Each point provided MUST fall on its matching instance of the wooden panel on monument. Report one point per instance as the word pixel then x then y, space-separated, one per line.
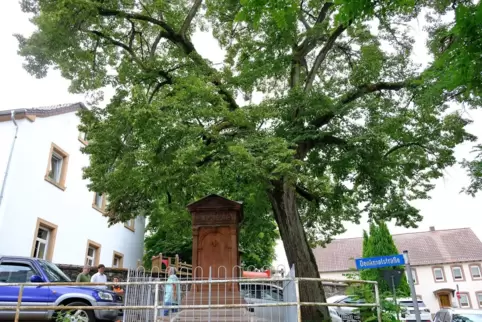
pixel 215 254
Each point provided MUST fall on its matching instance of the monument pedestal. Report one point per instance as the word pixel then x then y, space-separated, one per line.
pixel 215 256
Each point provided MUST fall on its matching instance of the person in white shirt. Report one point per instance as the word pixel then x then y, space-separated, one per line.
pixel 99 277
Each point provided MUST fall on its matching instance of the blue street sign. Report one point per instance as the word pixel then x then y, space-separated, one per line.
pixel 380 261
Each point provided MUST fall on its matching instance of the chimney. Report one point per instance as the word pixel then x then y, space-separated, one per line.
pixel 432 228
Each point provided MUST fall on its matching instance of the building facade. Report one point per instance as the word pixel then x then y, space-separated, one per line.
pixel 445 263
pixel 46 210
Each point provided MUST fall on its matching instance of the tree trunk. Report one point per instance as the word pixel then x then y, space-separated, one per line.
pixel 298 251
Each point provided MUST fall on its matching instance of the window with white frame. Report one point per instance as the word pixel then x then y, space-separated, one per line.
pixel 475 271
pixel 464 300
pixel 99 199
pixel 479 299
pixel 41 243
pixel 55 171
pixel 83 137
pixel 90 258
pixel 57 167
pixel 92 254
pixel 457 273
pixel 117 260
pixel 438 273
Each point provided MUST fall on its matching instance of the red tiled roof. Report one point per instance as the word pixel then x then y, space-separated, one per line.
pixel 424 248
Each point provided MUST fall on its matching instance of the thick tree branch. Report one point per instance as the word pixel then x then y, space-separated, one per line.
pixel 118 44
pixel 156 43
pixel 357 93
pixel 190 16
pixel 310 42
pixel 157 88
pixel 322 55
pixel 370 88
pixel 104 12
pixel 306 194
pixel 178 39
pixel 404 145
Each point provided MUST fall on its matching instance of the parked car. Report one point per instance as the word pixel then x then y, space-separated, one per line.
pixel 458 315
pixel 347 314
pixel 268 293
pixel 407 312
pixel 350 314
pixel 33 270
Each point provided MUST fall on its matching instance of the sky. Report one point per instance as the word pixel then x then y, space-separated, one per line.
pixel 447 208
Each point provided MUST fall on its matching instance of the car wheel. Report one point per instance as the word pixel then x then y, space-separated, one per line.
pixel 75 315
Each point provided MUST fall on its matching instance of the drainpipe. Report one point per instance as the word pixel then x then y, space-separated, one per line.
pixel 9 158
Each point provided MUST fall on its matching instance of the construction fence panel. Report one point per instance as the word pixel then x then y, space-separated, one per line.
pixel 210 297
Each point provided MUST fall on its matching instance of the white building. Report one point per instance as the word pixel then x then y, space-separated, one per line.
pixel 443 262
pixel 46 209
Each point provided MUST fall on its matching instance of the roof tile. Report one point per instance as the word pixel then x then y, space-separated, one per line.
pixel 424 248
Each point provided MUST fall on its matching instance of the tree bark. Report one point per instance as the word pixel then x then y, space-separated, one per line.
pixel 298 251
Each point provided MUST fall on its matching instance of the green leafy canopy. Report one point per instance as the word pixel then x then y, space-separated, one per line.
pixel 346 118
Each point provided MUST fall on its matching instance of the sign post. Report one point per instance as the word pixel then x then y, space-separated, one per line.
pixel 412 286
pixel 393 277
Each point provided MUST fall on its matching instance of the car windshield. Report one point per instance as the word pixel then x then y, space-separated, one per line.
pixel 467 317
pixel 54 274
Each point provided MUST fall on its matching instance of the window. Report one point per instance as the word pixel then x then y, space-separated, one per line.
pixel 464 301
pixel 475 271
pixel 458 273
pixel 478 295
pixel 44 240
pixel 438 274
pixel 54 274
pixel 92 253
pixel 41 243
pixel 15 273
pixel 130 224
pixel 117 260
pixel 99 202
pixel 57 167
pixel 83 138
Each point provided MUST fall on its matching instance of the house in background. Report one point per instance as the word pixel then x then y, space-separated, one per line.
pixel 443 262
pixel 46 210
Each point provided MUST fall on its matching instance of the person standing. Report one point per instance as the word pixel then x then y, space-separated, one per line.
pixel 172 292
pixel 84 276
pixel 100 277
pixel 117 288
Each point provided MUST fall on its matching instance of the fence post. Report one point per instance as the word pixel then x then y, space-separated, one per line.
pixel 156 300
pixel 19 303
pixel 209 294
pixel 125 316
pixel 177 262
pixel 298 300
pixel 377 299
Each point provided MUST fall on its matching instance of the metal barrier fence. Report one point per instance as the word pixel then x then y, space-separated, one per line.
pixel 211 300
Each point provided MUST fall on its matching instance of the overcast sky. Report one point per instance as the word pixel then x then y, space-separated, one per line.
pixel 448 208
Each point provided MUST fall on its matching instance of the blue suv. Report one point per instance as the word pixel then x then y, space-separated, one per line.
pixel 33 270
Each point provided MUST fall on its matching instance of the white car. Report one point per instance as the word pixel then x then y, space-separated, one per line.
pixel 349 314
pixel 255 293
pixel 407 312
